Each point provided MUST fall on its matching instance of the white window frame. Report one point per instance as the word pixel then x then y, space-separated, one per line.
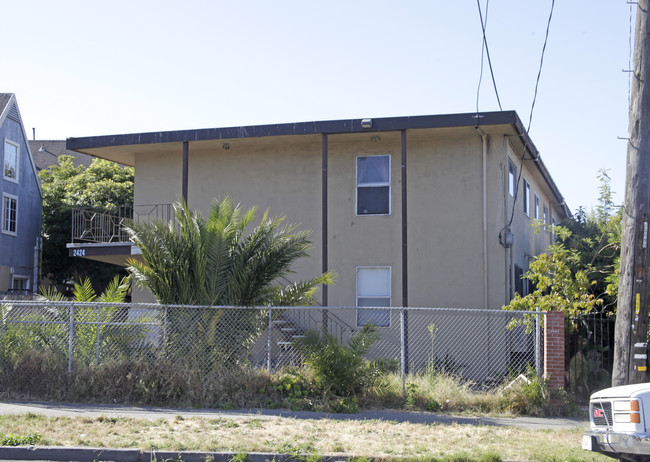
pixel 553 224
pixel 370 185
pixel 5 229
pixel 536 207
pixel 545 214
pixel 378 296
pixel 512 178
pixel 16 277
pixel 526 200
pixel 17 160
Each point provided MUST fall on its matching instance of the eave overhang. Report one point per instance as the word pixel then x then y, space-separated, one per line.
pixel 122 148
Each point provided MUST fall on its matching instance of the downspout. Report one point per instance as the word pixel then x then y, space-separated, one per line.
pixel 185 172
pixel 484 138
pixel 324 226
pixel 506 255
pixel 485 231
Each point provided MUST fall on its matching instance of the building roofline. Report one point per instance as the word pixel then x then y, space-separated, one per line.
pixel 4 112
pixel 300 128
pixel 329 127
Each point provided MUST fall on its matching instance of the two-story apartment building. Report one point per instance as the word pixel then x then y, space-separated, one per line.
pixel 20 232
pixel 408 211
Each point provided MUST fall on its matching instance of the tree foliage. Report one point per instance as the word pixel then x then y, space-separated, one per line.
pixel 578 273
pixel 103 184
pixel 217 262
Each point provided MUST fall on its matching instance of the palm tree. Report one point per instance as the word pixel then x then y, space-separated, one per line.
pixel 98 331
pixel 215 262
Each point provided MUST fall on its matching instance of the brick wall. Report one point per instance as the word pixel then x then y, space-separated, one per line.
pixel 554 349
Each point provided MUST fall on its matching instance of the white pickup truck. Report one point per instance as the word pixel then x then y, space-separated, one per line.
pixel 620 423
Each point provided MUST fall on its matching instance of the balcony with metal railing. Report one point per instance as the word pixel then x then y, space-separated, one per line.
pixel 93 225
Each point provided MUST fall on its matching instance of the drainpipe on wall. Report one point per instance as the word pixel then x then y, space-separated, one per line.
pixel 485 232
pixel 484 138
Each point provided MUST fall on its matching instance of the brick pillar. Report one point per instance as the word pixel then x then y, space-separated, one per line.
pixel 554 349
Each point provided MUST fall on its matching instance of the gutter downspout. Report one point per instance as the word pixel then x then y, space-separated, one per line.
pixel 484 138
pixel 506 255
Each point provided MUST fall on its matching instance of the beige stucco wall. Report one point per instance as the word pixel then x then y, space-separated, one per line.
pixel 445 206
pixel 447 244
pixel 283 177
pixel 530 240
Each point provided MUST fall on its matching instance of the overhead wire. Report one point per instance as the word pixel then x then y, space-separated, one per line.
pixel 530 120
pixel 486 50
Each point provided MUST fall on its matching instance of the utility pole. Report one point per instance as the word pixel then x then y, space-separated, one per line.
pixel 631 336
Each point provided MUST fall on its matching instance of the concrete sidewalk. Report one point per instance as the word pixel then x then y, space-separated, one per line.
pixel 136 412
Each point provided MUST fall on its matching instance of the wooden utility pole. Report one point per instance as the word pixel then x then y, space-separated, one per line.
pixel 631 337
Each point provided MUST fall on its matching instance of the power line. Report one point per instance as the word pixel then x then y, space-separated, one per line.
pixel 486 49
pixel 541 63
pixel 530 119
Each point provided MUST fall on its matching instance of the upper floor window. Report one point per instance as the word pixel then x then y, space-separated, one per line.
pixel 11 152
pixel 536 207
pixel 373 185
pixel 9 213
pixel 373 290
pixel 526 200
pixel 553 223
pixel 512 178
pixel 545 215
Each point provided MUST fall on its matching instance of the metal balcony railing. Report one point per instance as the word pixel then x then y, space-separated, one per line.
pixel 104 226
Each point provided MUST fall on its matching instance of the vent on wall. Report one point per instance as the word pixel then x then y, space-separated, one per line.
pixel 13 113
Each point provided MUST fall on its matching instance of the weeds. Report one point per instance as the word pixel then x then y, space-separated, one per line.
pixel 19 440
pixel 335 380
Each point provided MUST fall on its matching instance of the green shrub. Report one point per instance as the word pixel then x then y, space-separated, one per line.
pixel 19 440
pixel 338 368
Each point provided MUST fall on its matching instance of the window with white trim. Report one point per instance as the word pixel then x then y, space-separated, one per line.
pixel 526 199
pixel 9 213
pixel 553 223
pixel 545 215
pixel 536 207
pixel 512 178
pixel 373 185
pixel 20 283
pixel 10 163
pixel 373 290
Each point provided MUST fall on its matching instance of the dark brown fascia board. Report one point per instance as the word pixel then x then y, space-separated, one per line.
pixel 330 127
pixel 534 154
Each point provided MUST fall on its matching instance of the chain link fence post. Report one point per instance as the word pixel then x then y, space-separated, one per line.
pixel 98 327
pixel 70 338
pixel 268 342
pixel 538 342
pixel 403 349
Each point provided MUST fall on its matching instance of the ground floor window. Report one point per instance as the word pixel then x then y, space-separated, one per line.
pixel 20 284
pixel 373 290
pixel 9 213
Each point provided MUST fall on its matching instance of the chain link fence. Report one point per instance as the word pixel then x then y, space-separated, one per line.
pixel 50 346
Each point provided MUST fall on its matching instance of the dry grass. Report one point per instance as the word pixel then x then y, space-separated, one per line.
pixel 380 439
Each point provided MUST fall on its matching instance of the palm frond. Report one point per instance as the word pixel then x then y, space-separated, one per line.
pixel 83 291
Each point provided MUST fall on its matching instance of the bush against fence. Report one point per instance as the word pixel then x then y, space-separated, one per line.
pixel 153 353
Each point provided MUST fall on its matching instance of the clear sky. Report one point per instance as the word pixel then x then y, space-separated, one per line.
pixel 84 68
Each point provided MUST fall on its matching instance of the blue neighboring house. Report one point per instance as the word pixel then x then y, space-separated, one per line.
pixel 21 206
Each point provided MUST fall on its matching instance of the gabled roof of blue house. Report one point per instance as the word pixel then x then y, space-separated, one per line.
pixel 9 109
